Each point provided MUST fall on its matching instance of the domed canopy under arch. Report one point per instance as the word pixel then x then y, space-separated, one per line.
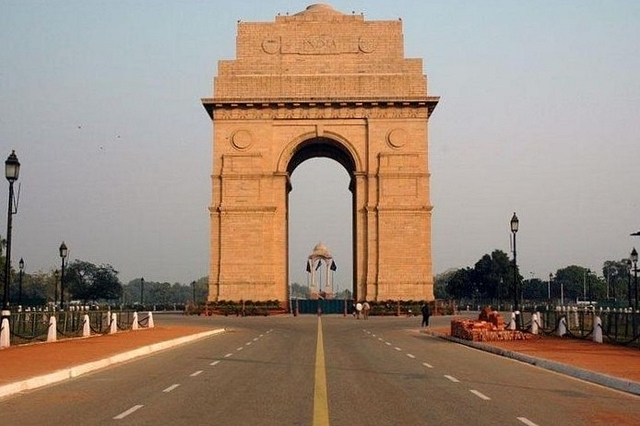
pixel 319 256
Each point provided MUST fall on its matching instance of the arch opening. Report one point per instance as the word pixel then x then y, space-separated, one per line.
pixel 320 210
pixel 321 147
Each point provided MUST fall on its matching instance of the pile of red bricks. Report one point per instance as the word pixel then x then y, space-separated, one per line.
pixel 489 327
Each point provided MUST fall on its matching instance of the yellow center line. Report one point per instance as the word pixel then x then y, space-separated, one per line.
pixel 320 401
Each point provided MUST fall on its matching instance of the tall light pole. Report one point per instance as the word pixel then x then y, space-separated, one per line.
pixel 514 229
pixel 634 259
pixel 21 266
pixel 11 172
pixel 141 291
pixel 549 286
pixel 193 287
pixel 629 294
pixel 63 255
pixel 55 289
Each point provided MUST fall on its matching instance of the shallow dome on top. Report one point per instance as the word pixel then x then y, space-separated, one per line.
pixel 320 250
pixel 319 9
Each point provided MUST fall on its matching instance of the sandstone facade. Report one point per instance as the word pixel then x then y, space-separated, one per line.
pixel 320 83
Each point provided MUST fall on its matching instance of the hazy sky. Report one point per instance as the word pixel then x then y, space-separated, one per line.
pixel 539 114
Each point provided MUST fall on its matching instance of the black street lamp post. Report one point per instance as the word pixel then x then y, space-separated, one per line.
pixel 514 229
pixel 141 291
pixel 629 294
pixel 634 259
pixel 63 255
pixel 11 172
pixel 21 266
pixel 55 289
pixel 193 287
pixel 589 286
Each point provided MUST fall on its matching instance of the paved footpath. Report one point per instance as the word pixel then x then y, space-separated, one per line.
pixel 28 367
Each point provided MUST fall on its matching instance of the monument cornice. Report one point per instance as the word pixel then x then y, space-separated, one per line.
pixel 212 104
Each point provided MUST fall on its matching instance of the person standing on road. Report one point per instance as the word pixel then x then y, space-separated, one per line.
pixel 365 309
pixel 426 313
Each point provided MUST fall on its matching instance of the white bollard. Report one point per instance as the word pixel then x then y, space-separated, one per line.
pixel 114 323
pixel 512 323
pixel 5 334
pixel 562 326
pixel 86 328
pixel 150 324
pixel 576 321
pixel 134 324
pixel 597 330
pixel 534 323
pixel 540 320
pixel 52 334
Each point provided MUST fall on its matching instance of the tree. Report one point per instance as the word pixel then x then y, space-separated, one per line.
pixel 202 290
pixel 440 283
pixel 459 284
pixel 299 291
pixel 617 275
pixel 534 289
pixel 576 281
pixel 37 288
pixel 160 293
pixel 493 276
pixel 88 282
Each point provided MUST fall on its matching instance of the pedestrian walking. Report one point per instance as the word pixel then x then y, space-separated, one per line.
pixel 426 313
pixel 365 309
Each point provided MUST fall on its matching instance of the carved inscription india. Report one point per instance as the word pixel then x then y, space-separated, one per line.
pixel 319 45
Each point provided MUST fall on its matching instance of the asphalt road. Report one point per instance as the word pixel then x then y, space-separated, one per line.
pixel 309 371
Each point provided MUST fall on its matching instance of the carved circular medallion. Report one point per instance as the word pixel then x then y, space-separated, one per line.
pixel 271 45
pixel 366 44
pixel 242 139
pixel 397 138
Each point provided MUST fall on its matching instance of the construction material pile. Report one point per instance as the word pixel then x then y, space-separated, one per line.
pixel 489 327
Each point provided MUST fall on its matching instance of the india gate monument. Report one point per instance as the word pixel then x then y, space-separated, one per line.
pixel 320 83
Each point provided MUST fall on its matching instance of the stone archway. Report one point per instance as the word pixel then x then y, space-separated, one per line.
pixel 320 83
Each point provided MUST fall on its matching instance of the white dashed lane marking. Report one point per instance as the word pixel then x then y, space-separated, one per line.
pixel 170 388
pixel 527 421
pixel 129 411
pixel 214 362
pixel 411 356
pixel 479 394
pixel 453 379
pixel 196 373
pixel 426 364
pixel 228 355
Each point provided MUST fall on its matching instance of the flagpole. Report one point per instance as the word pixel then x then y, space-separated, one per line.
pixel 308 278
